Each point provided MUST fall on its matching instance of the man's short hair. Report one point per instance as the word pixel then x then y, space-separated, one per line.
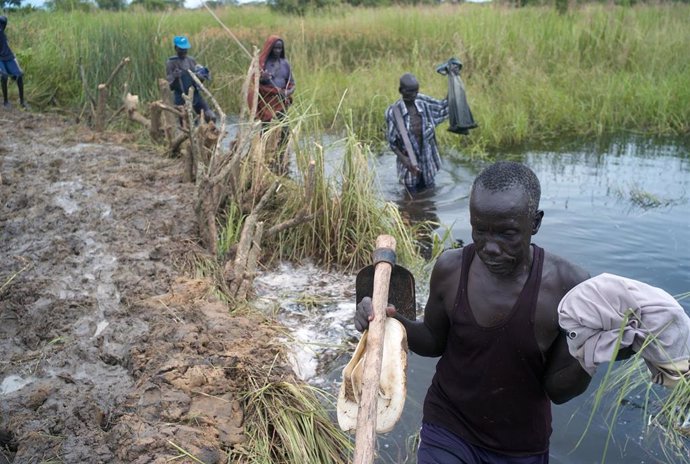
pixel 504 175
pixel 408 82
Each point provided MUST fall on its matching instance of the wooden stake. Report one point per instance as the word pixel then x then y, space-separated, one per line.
pixel 365 434
pixel 103 96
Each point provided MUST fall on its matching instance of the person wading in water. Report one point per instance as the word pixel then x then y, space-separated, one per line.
pixel 492 318
pixel 411 132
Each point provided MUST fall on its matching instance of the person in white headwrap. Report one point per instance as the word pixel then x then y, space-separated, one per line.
pixel 653 323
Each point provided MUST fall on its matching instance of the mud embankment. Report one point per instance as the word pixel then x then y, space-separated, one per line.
pixel 108 353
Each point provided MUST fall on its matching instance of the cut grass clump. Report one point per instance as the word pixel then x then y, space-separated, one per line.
pixel 347 212
pixel 666 411
pixel 287 423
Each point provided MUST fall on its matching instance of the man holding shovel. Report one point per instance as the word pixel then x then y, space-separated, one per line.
pixel 492 318
pixel 411 132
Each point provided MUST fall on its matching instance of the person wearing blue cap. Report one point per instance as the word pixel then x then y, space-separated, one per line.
pixel 9 67
pixel 177 71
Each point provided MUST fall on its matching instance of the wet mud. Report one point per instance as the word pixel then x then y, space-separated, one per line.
pixel 109 351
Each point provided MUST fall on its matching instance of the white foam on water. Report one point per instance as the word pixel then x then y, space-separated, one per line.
pixel 316 306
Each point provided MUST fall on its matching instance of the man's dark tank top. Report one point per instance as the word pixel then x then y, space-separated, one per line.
pixel 488 383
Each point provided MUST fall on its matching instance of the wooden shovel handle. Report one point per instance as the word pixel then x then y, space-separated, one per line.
pixel 365 434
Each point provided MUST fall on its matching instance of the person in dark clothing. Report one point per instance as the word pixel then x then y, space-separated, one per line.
pixel 9 67
pixel 177 73
pixel 492 318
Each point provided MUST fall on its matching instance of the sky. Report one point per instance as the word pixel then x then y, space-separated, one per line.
pixel 187 3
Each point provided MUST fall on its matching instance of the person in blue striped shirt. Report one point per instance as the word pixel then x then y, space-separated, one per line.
pixel 411 126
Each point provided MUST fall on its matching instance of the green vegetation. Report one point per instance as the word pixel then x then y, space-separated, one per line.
pixel 531 74
pixel 349 213
pixel 345 209
pixel 644 199
pixel 664 410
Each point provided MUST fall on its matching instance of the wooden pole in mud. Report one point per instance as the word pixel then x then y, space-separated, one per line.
pixel 103 96
pixel 365 434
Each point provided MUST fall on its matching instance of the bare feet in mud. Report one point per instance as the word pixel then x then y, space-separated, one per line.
pixel 110 354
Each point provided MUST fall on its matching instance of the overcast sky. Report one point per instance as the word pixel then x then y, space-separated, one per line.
pixel 187 3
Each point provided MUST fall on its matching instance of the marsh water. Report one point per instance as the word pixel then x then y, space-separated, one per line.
pixel 619 206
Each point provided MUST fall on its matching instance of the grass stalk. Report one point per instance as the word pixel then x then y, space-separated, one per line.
pixel 287 423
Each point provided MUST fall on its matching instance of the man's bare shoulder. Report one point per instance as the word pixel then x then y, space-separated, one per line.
pixel 449 259
pixel 447 267
pixel 444 280
pixel 560 274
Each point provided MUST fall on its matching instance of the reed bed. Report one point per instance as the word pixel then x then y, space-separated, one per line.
pixel 531 74
pixel 665 414
pixel 347 213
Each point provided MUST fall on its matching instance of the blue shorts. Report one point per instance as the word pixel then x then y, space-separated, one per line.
pixel 10 68
pixel 439 446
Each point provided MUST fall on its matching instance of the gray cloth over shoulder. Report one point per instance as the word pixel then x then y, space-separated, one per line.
pixel 459 113
pixel 654 324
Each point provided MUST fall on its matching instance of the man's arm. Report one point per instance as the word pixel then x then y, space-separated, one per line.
pixel 394 141
pixel 428 337
pixel 172 74
pixel 564 378
pixel 405 160
pixel 391 129
pixel 437 109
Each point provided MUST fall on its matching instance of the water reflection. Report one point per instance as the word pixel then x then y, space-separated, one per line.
pixel 419 208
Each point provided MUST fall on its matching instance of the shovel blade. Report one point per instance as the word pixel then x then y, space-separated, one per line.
pixel 401 293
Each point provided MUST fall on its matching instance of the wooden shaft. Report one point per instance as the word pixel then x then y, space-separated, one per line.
pixel 365 434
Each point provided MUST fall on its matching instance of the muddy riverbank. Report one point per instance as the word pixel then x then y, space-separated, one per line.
pixel 111 352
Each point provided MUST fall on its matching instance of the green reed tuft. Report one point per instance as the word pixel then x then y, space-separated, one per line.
pixel 347 211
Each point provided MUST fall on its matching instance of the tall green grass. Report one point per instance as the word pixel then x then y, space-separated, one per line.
pixel 530 73
pixel 346 213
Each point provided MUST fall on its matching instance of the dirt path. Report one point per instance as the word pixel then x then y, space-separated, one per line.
pixel 108 354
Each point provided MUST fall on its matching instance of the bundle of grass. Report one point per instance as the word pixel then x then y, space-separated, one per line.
pixel 665 412
pixel 348 212
pixel 287 423
pixel 610 317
